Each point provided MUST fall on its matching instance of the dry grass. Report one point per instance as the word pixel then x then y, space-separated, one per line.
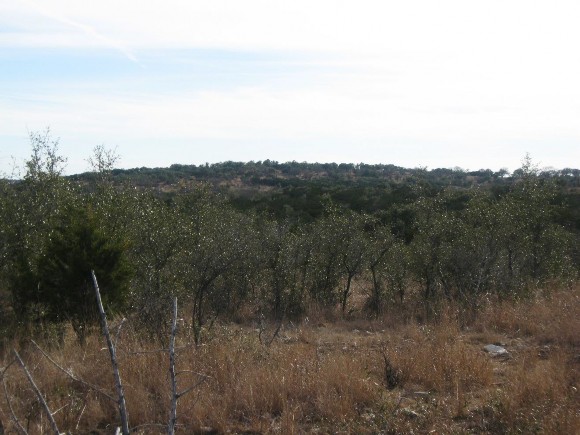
pixel 327 377
pixel 554 318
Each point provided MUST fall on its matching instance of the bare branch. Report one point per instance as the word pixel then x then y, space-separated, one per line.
pixel 147 425
pixel 38 393
pixel 145 352
pixel 275 332
pixel 187 390
pixel 4 369
pixel 70 374
pixel 180 372
pixel 80 416
pixel 60 409
pixel 112 351
pixel 174 395
pixel 119 331
pixel 12 414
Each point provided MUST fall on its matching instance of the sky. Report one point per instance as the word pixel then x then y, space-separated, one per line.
pixel 470 84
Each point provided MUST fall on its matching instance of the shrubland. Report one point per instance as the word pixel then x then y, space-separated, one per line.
pixel 353 321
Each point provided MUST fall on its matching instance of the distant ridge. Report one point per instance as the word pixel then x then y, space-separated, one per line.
pixel 270 173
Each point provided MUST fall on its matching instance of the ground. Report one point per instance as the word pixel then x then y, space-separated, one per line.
pixel 325 375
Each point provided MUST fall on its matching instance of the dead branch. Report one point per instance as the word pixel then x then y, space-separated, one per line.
pixel 12 414
pixel 119 331
pixel 174 395
pixel 133 429
pixel 187 390
pixel 38 393
pixel 70 374
pixel 180 372
pixel 276 332
pixel 112 351
pixel 4 369
pixel 80 416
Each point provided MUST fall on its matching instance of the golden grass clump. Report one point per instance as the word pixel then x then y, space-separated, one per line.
pixel 437 358
pixel 539 396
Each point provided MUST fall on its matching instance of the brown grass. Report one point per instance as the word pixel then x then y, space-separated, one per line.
pixel 327 377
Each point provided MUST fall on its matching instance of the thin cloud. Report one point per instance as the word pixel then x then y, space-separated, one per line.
pixel 86 29
pixel 451 82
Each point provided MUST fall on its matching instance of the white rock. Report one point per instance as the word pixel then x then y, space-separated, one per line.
pixel 494 350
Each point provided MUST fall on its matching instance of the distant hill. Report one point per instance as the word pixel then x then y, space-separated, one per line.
pixel 272 173
pixel 296 190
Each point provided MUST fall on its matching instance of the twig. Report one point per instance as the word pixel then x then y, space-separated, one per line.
pixel 180 372
pixel 70 375
pixel 119 331
pixel 119 385
pixel 4 369
pixel 275 332
pixel 401 397
pixel 12 414
pixel 80 416
pixel 61 408
pixel 187 390
pixel 38 393
pixel 144 352
pixel 261 328
pixel 147 425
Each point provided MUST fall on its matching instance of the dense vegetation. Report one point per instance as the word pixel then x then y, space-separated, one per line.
pixel 222 243
pixel 296 190
pixel 424 256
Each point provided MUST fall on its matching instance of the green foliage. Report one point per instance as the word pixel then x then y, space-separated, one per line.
pixel 505 245
pixel 59 287
pixel 274 237
pixel 279 264
pixel 325 267
pixel 219 257
pixel 52 242
pixel 389 264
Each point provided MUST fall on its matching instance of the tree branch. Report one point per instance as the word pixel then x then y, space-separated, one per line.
pixel 70 375
pixel 174 395
pixel 112 351
pixel 38 394
pixel 12 414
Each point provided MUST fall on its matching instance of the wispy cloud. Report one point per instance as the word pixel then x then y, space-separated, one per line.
pixel 414 82
pixel 63 39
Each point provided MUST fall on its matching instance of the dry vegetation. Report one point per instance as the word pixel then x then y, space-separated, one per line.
pixel 337 376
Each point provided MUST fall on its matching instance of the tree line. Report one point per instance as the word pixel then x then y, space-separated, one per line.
pixel 434 244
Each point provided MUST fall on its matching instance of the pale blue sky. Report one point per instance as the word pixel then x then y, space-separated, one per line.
pixel 414 83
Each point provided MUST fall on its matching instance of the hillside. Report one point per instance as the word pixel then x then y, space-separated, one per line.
pixel 296 190
pixel 312 298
